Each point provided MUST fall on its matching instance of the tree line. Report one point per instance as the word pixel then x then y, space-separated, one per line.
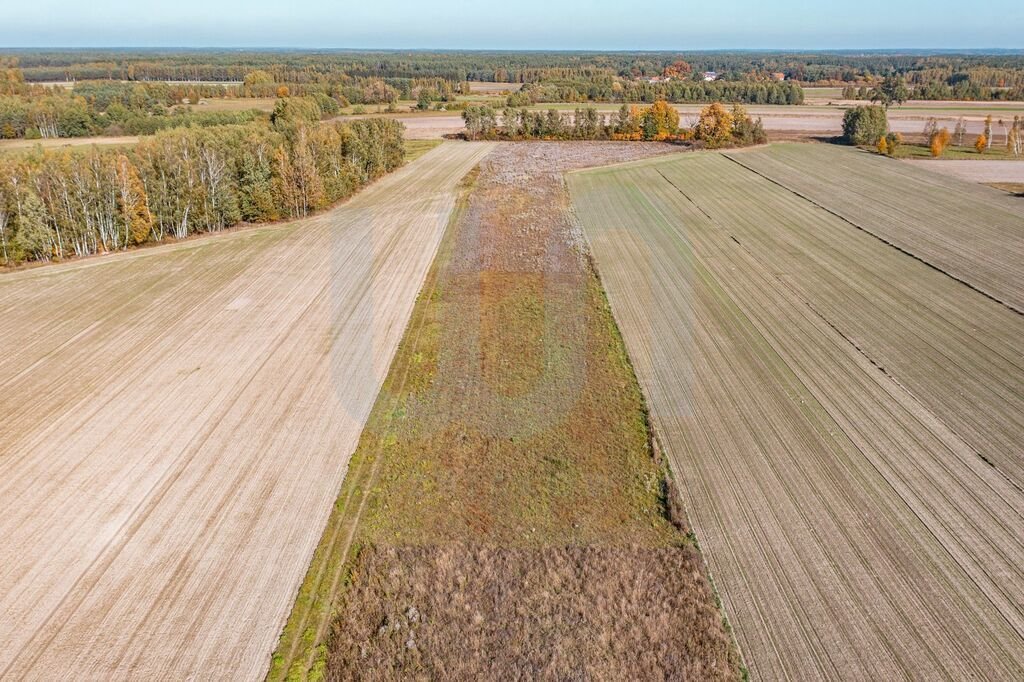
pixel 295 66
pixel 679 91
pixel 716 126
pixel 59 204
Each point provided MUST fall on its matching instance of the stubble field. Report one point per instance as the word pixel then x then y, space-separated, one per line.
pixel 178 420
pixel 843 416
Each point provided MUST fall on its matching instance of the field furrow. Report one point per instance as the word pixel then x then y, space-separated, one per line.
pixel 851 530
pixel 972 232
pixel 178 421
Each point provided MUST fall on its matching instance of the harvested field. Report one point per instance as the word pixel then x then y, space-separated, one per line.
pixel 178 420
pixel 802 376
pixel 510 437
pixel 973 233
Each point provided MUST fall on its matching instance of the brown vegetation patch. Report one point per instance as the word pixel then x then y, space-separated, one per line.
pixel 565 613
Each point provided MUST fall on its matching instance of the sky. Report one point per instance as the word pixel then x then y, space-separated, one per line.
pixel 514 24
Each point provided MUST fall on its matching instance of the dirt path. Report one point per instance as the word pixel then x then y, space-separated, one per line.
pixel 177 423
pixel 853 530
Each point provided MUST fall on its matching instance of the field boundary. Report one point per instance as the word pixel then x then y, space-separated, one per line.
pixel 672 491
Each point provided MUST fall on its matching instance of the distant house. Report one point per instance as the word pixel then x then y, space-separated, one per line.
pixel 779 76
pixel 710 76
pixel 656 79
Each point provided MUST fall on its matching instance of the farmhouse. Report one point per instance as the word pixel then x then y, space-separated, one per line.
pixel 710 75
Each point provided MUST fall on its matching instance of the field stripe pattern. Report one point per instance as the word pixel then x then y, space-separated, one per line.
pixel 971 232
pixel 852 530
pixel 178 421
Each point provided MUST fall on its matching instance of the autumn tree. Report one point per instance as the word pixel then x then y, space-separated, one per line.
pixel 745 130
pixel 628 125
pixel 678 69
pixel 132 203
pixel 938 142
pixel 714 126
pixel 988 131
pixel 981 143
pixel 1014 139
pixel 660 121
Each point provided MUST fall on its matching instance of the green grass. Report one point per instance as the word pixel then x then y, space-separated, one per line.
pixel 414 149
pixel 965 153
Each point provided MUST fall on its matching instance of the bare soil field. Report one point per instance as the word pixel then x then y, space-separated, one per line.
pixel 972 233
pixel 843 418
pixel 986 172
pixel 509 446
pixel 178 421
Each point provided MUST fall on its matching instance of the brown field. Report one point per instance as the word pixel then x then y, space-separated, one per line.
pixel 844 419
pixel 178 420
pixel 509 444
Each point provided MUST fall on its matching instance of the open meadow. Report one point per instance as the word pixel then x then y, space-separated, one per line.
pixel 178 421
pixel 843 416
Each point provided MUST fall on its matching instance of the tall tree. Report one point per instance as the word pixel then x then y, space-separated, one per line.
pixel 132 203
pixel 892 90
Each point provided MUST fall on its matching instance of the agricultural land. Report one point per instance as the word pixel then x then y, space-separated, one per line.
pixel 178 420
pixel 834 368
pixel 505 513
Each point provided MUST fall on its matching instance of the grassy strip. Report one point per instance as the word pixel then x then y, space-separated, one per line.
pixel 414 149
pixel 965 153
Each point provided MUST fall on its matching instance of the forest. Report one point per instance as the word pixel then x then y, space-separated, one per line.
pixel 298 67
pixel 59 204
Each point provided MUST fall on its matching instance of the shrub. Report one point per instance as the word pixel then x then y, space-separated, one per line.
pixel 864 125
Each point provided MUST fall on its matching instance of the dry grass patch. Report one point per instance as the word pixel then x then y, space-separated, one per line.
pixel 472 612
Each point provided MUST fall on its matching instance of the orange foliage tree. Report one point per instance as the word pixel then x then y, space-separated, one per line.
pixel 714 127
pixel 981 144
pixel 939 141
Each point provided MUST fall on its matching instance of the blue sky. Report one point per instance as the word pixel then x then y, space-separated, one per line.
pixel 514 24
